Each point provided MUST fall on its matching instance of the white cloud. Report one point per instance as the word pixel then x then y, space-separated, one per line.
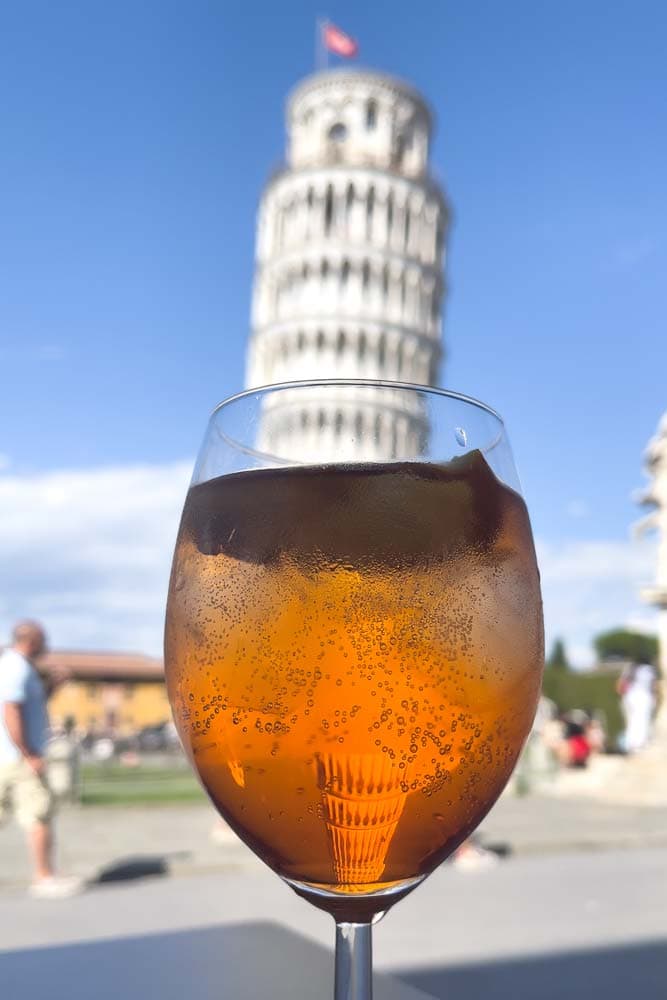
pixel 643 621
pixel 591 586
pixel 88 553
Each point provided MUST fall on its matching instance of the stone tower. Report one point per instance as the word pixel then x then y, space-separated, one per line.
pixel 349 274
pixel 655 496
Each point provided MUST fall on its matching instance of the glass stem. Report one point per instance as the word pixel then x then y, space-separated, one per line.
pixel 354 962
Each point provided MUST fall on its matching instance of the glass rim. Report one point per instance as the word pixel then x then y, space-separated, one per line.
pixel 360 382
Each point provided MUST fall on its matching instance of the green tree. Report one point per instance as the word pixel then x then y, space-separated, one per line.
pixel 558 657
pixel 624 645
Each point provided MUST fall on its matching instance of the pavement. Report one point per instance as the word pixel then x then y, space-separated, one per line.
pixel 113 843
pixel 533 928
pixel 577 906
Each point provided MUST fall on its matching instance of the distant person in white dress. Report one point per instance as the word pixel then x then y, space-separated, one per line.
pixel 637 688
pixel 24 730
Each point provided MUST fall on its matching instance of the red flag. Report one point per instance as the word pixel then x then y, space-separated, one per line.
pixel 339 42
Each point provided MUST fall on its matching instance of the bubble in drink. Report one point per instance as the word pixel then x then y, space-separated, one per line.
pixel 372 637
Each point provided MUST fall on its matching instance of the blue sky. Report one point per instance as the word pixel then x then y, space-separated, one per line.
pixel 136 138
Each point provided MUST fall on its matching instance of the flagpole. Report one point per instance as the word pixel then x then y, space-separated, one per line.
pixel 320 48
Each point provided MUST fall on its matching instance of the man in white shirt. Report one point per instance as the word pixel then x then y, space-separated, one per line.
pixel 24 728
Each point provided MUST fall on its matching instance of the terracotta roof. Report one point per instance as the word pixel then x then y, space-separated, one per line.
pixel 103 666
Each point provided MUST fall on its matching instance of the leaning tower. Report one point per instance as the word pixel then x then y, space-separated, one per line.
pixel 349 274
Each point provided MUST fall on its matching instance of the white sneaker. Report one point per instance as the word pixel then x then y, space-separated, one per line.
pixel 56 887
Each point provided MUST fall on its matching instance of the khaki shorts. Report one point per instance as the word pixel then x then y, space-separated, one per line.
pixel 25 793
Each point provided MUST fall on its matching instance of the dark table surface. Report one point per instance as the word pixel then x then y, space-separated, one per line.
pixel 240 962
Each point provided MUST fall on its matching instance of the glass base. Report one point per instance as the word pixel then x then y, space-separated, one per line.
pixel 355 903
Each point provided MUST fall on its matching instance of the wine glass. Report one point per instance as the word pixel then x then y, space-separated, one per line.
pixel 354 640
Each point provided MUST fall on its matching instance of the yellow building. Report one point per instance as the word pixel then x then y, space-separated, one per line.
pixel 110 693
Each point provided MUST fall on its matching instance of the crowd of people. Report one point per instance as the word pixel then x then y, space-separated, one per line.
pixel 572 738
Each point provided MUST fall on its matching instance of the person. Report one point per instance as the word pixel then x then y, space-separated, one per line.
pixel 64 762
pixel 472 857
pixel 596 731
pixel 578 747
pixel 23 735
pixel 637 689
pixel 566 737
